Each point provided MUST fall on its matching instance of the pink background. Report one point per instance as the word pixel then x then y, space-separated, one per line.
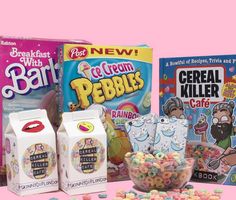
pixel 172 28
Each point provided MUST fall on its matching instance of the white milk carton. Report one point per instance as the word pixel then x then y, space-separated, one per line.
pixel 82 146
pixel 31 157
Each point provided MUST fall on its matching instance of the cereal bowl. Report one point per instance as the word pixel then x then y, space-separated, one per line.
pixel 160 171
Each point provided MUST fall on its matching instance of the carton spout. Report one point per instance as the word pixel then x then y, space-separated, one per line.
pixel 25 115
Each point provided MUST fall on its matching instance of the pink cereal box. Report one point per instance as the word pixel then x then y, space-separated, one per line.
pixel 28 73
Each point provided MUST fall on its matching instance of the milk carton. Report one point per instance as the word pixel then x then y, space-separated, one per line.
pixel 31 157
pixel 82 146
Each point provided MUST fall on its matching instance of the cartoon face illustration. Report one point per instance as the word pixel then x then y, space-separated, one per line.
pixel 85 127
pixel 33 127
pixel 73 106
pixel 222 123
pixel 174 107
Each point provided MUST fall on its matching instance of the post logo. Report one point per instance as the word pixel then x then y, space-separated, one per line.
pixel 78 52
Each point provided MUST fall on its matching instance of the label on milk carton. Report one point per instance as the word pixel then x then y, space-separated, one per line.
pixel 82 152
pixel 31 157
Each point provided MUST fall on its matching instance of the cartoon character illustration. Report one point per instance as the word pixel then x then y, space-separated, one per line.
pixel 200 128
pixel 174 107
pixel 222 128
pixel 73 106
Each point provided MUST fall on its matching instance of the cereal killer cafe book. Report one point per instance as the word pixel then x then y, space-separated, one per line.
pixel 203 90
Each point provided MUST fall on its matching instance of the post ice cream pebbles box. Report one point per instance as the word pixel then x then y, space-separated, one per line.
pixel 31 158
pixel 203 90
pixel 114 80
pixel 29 72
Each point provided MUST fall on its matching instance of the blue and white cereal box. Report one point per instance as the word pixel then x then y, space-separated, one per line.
pixel 116 80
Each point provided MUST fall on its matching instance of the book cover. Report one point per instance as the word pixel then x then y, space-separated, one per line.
pixel 203 90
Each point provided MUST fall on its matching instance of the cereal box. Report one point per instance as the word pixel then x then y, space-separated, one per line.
pixel 82 144
pixel 31 158
pixel 114 80
pixel 203 90
pixel 29 72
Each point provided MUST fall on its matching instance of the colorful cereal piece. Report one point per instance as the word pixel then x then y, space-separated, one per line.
pixel 188 186
pixel 218 191
pixel 73 198
pixel 120 193
pixel 132 191
pixel 166 175
pixel 102 196
pixel 86 197
pixel 130 196
pixel 176 194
